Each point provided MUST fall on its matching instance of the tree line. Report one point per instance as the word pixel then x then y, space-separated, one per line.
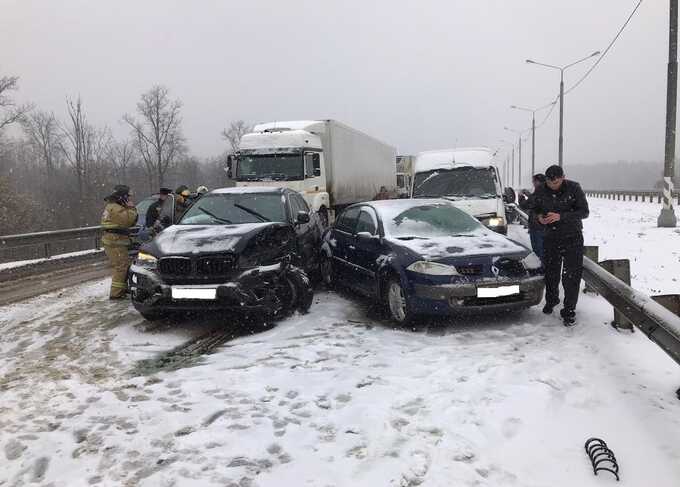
pixel 55 170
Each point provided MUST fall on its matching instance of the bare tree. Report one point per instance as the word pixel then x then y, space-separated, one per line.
pixel 158 133
pixel 10 112
pixel 122 155
pixel 42 129
pixel 234 133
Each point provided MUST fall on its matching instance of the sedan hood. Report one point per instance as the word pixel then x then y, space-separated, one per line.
pixel 205 239
pixel 484 243
pixel 476 206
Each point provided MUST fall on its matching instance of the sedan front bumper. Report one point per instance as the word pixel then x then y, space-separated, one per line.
pixel 463 297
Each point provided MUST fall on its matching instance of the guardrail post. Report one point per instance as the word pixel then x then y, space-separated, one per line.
pixel 659 198
pixel 620 268
pixel 636 197
pixel 592 252
pixel 48 250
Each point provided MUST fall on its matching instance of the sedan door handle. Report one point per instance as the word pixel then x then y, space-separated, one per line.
pixel 351 247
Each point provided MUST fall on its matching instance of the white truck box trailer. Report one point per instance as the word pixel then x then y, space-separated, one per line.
pixel 331 164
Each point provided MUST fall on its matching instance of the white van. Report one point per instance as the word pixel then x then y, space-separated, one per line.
pixel 466 177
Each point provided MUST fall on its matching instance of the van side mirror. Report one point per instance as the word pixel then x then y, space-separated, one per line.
pixel 230 166
pixel 302 217
pixel 509 195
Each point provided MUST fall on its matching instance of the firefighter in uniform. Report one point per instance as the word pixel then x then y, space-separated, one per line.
pixel 118 217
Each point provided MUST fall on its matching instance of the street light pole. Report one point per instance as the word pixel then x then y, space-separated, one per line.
pixel 533 131
pixel 561 69
pixel 667 216
pixel 519 172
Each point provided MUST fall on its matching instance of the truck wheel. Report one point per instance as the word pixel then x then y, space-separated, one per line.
pixel 326 271
pixel 323 217
pixel 397 303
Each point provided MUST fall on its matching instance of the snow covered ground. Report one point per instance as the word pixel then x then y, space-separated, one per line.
pixel 336 397
pixel 627 230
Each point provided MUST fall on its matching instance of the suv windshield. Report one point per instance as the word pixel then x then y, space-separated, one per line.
pixel 466 182
pixel 429 221
pixel 272 167
pixel 236 208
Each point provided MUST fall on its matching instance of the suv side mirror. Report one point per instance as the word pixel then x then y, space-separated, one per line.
pixel 509 195
pixel 302 217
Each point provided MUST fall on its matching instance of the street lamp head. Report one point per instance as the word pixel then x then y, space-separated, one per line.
pixel 596 53
pixel 513 106
pixel 530 61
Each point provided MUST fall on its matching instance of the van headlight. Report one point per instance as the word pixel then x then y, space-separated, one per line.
pixel 495 221
pixel 147 260
pixel 531 262
pixel 432 268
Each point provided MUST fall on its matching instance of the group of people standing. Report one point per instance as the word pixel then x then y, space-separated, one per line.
pixel 556 210
pixel 120 215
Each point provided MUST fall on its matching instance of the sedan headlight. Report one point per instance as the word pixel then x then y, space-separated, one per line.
pixel 432 268
pixel 531 262
pixel 146 260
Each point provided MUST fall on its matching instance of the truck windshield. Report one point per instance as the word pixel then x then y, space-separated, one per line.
pixel 464 182
pixel 270 167
pixel 236 208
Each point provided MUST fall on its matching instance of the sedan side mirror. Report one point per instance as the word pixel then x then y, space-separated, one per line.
pixel 368 238
pixel 302 217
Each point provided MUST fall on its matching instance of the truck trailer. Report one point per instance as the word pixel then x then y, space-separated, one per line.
pixel 331 164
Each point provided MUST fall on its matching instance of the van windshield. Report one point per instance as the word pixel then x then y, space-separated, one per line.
pixel 270 167
pixel 462 182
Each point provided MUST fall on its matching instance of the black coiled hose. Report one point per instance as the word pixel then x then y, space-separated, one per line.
pixel 601 457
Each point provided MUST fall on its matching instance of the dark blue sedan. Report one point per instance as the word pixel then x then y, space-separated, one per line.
pixel 428 257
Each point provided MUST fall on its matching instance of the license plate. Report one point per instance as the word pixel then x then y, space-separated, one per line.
pixel 497 292
pixel 194 293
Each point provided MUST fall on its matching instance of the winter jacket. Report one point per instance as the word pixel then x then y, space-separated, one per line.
pixel 116 222
pixel 525 204
pixel 569 201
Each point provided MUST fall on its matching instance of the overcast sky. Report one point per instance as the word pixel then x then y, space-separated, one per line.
pixel 417 74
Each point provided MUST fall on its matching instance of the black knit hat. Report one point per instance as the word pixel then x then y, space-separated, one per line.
pixel 539 177
pixel 165 191
pixel 121 190
pixel 554 172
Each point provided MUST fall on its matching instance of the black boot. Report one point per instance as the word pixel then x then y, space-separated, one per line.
pixel 568 316
pixel 548 308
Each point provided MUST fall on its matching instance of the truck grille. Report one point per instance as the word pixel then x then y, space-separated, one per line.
pixel 217 265
pixel 175 266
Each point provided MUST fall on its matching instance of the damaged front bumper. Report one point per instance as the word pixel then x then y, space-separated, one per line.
pixel 465 297
pixel 250 290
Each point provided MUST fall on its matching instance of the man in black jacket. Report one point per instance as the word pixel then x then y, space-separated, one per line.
pixel 154 211
pixel 560 205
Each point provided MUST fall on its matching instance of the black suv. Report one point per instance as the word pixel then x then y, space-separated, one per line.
pixel 246 248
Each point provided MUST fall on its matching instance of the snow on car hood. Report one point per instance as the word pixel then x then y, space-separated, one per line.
pixel 194 239
pixel 483 243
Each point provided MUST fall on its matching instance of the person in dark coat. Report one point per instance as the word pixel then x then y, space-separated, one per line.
pixel 154 211
pixel 536 230
pixel 561 205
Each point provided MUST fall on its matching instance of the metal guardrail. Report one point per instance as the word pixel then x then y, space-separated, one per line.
pixel 38 245
pixel 659 324
pixel 630 195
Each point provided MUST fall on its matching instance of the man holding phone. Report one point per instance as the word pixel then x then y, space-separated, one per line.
pixel 560 205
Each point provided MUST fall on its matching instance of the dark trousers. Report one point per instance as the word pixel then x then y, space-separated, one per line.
pixel 537 237
pixel 563 254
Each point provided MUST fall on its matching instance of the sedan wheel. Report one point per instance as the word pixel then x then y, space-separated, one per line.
pixel 396 301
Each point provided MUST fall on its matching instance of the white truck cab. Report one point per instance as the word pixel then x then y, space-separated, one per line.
pixel 331 164
pixel 468 178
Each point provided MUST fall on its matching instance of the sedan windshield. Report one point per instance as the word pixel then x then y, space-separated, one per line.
pixel 236 208
pixel 466 182
pixel 270 167
pixel 429 221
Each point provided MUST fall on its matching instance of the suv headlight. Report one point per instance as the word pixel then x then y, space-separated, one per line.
pixel 531 262
pixel 147 260
pixel 432 268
